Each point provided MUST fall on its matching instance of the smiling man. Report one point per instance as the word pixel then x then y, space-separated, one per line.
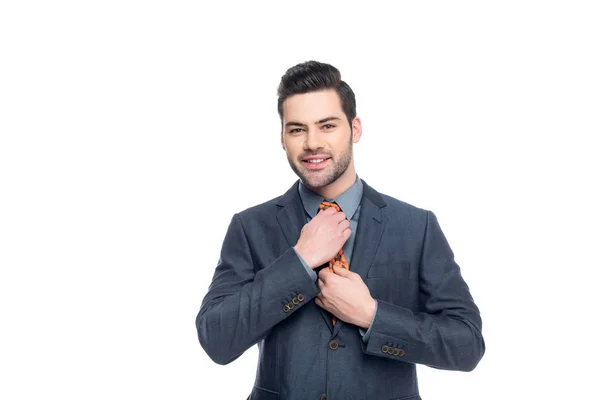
pixel 343 288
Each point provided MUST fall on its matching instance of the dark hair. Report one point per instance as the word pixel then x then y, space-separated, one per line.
pixel 312 76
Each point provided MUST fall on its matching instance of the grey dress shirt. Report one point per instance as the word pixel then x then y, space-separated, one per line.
pixel 349 203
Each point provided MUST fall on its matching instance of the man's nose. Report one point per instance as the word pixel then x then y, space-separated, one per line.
pixel 314 140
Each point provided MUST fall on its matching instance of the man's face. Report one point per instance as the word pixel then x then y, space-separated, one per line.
pixel 316 128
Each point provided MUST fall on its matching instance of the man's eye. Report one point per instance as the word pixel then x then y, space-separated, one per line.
pixel 296 130
pixel 328 126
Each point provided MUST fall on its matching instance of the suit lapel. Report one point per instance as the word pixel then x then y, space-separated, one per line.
pixel 371 224
pixel 291 216
pixel 291 219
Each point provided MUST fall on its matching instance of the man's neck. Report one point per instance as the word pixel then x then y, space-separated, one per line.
pixel 343 183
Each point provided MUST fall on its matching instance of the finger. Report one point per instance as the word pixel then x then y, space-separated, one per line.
pixel 318 301
pixel 344 224
pixel 339 216
pixel 320 283
pixel 329 210
pixel 323 274
pixel 341 271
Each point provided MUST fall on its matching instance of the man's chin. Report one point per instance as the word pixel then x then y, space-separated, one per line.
pixel 313 179
pixel 312 183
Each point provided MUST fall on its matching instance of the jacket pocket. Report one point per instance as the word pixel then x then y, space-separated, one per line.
pixel 259 393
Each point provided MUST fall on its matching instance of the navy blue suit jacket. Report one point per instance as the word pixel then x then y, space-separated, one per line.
pixel 261 294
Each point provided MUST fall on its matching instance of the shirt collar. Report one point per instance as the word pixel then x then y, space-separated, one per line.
pixel 348 201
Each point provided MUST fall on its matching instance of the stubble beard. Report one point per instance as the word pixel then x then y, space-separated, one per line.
pixel 318 179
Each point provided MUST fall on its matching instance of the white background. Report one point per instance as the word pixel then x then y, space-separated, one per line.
pixel 132 131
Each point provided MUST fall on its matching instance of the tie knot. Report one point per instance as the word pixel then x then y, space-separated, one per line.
pixel 326 204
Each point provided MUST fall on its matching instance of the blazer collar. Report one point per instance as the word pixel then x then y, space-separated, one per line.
pixel 292 195
pixel 347 201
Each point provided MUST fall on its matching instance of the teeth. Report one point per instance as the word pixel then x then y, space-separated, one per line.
pixel 316 161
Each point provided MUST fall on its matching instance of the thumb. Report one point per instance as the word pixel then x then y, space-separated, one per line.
pixel 341 271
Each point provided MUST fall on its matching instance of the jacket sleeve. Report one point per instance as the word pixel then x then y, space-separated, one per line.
pixel 242 304
pixel 445 332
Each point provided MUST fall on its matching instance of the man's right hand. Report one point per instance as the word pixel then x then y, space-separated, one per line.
pixel 322 237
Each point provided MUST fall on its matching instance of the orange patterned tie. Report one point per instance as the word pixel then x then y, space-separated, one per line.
pixel 340 258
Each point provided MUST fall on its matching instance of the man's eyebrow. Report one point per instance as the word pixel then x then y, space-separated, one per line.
pixel 321 121
pixel 292 123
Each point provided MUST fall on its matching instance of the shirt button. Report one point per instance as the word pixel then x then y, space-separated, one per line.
pixel 333 345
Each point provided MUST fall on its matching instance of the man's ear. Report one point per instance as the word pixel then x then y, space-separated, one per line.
pixel 356 130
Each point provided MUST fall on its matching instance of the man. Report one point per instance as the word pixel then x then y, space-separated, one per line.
pixel 325 331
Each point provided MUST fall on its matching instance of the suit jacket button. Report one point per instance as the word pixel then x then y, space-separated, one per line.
pixel 396 351
pixel 295 300
pixel 301 297
pixel 291 305
pixel 385 348
pixel 401 352
pixel 323 397
pixel 333 345
pixel 286 308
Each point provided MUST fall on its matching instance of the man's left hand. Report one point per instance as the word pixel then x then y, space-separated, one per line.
pixel 345 295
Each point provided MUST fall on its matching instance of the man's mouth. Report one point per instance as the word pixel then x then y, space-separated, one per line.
pixel 315 162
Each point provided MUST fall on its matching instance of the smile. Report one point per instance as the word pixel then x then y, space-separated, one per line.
pixel 316 163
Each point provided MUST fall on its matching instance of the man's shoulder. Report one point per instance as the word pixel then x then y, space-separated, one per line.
pixel 396 205
pixel 402 210
pixel 401 205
